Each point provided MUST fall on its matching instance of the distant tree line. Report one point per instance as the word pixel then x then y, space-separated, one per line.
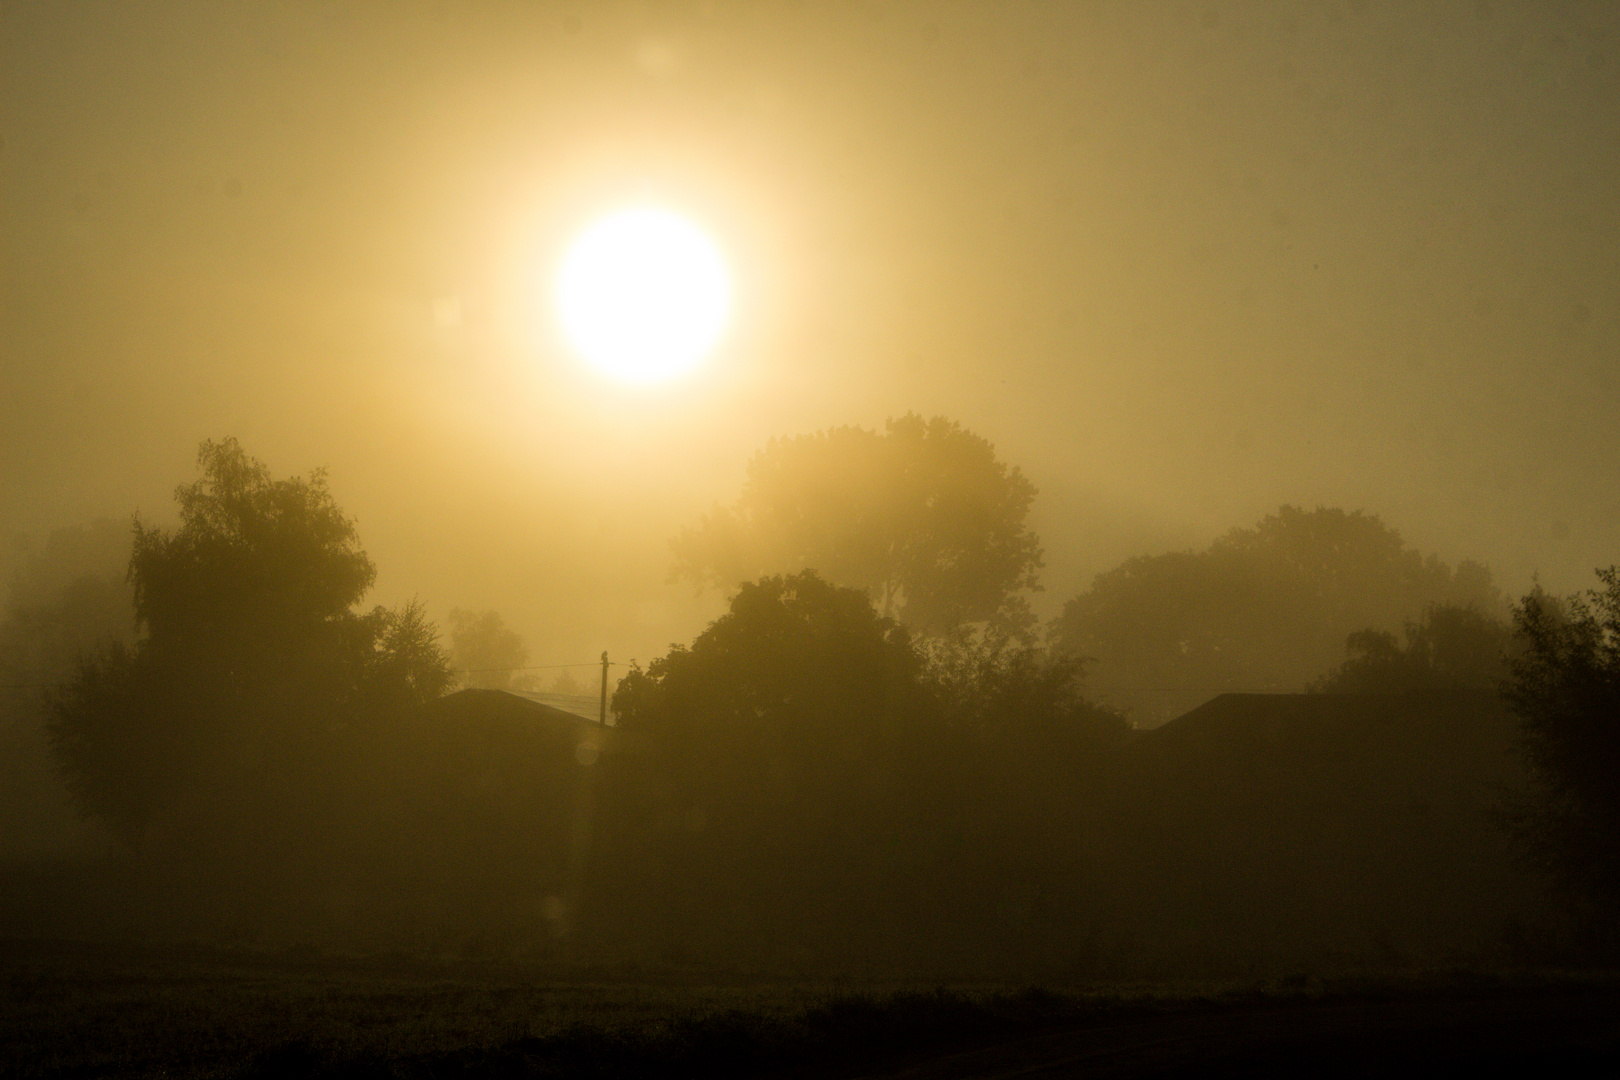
pixel 1446 648
pixel 882 753
pixel 926 520
pixel 1261 609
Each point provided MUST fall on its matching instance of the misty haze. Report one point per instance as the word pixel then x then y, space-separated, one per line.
pixel 890 537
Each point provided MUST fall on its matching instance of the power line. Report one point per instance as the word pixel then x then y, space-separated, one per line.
pixel 538 667
pixel 469 671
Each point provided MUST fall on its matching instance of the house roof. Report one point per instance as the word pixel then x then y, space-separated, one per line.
pixel 520 717
pixel 587 706
pixel 1455 737
pixel 504 705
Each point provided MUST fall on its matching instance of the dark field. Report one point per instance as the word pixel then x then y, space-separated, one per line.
pixel 90 1011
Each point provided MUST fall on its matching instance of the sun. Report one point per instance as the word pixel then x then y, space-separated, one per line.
pixel 643 294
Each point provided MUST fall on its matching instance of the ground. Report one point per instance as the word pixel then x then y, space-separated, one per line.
pixel 130 1011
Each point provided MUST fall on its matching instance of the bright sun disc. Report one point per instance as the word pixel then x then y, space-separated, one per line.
pixel 643 294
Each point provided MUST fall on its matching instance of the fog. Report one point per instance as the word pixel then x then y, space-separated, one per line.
pixel 1180 263
pixel 635 537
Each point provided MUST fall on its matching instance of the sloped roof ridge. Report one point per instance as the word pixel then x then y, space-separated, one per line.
pixel 1303 705
pixel 503 699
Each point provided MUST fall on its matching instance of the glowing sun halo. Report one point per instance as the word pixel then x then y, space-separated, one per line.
pixel 643 294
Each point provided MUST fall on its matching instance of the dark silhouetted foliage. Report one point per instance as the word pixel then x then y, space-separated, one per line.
pixel 1565 689
pixel 798 787
pixel 811 785
pixel 921 516
pixel 1266 608
pixel 1447 648
pixel 1004 688
pixel 798 718
pixel 228 725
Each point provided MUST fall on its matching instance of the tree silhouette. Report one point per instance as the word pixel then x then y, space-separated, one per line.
pixel 922 516
pixel 254 668
pixel 1565 689
pixel 68 597
pixel 485 649
pixel 805 773
pixel 1447 648
pixel 797 667
pixel 1266 608
pixel 1017 695
pixel 792 735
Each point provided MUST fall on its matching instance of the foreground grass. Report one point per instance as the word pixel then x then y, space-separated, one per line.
pixel 72 1011
pixel 186 1012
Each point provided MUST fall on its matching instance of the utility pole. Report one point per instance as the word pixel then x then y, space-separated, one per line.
pixel 601 716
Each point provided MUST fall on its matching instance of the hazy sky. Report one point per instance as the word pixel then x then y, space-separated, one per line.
pixel 1181 263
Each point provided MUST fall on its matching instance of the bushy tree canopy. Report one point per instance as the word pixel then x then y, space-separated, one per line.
pixel 1565 689
pixel 790 752
pixel 804 765
pixel 1020 696
pixel 484 650
pixel 253 555
pixel 253 666
pixel 1447 648
pixel 799 673
pixel 1266 608
pixel 922 516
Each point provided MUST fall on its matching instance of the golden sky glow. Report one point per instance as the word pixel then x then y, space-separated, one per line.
pixel 1181 262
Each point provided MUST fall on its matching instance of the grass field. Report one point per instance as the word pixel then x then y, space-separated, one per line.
pixel 115 1011
pixel 83 1011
